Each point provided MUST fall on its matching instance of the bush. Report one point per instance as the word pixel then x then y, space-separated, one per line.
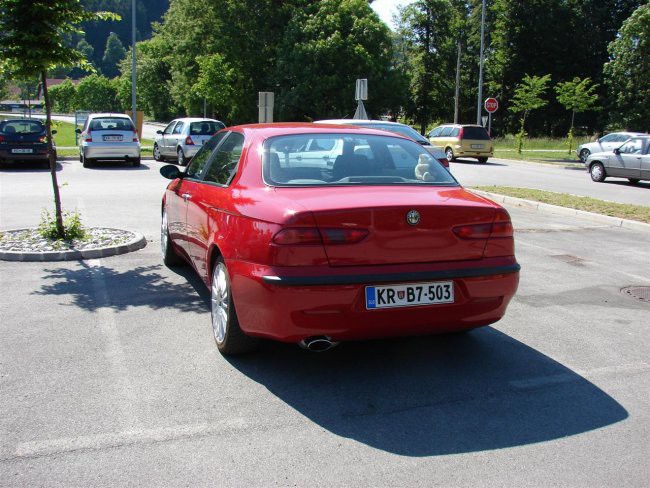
pixel 71 223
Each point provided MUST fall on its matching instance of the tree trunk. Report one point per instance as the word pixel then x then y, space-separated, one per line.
pixel 60 230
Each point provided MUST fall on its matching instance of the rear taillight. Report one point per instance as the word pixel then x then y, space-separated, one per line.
pixel 42 139
pixel 500 227
pixel 444 162
pixel 189 141
pixel 135 136
pixel 89 137
pixel 460 133
pixel 312 236
pixel 2 139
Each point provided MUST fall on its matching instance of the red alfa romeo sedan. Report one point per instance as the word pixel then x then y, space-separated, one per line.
pixel 317 234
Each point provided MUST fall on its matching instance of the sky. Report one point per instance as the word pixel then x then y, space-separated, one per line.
pixel 386 8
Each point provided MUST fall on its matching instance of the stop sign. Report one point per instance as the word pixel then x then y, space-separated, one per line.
pixel 491 105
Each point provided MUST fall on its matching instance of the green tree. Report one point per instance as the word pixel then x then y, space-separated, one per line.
pixel 63 97
pixel 528 96
pixel 29 52
pixel 577 96
pixel 97 93
pixel 627 74
pixel 113 54
pixel 214 83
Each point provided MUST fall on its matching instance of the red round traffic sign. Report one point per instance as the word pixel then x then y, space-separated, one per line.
pixel 491 105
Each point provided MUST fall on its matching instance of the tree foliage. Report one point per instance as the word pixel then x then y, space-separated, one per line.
pixel 96 93
pixel 529 95
pixel 113 54
pixel 63 97
pixel 627 74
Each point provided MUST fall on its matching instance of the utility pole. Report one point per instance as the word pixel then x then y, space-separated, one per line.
pixel 456 98
pixel 480 70
pixel 133 106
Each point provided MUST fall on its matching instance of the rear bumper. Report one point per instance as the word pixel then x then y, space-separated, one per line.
pixel 111 151
pixel 37 155
pixel 289 304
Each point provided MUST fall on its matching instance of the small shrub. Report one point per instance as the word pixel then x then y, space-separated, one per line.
pixel 72 226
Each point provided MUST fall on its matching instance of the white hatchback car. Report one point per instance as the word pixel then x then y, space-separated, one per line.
pixel 182 138
pixel 108 137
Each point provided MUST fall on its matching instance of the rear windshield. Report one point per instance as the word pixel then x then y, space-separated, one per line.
pixel 22 127
pixel 206 128
pixel 111 123
pixel 349 159
pixel 476 133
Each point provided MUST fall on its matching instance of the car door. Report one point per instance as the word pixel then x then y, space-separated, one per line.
pixel 164 141
pixel 177 198
pixel 212 194
pixel 626 161
pixel 175 137
pixel 645 161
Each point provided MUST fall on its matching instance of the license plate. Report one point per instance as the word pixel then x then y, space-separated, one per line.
pixel 409 295
pixel 22 151
pixel 112 138
pixel 477 146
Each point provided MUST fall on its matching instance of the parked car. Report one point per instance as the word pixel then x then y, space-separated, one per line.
pixel 631 161
pixel 396 128
pixel 320 253
pixel 182 138
pixel 108 137
pixel 469 141
pixel 23 140
pixel 604 144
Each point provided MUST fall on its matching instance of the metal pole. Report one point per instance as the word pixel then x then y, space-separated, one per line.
pixel 456 100
pixel 133 106
pixel 490 124
pixel 480 70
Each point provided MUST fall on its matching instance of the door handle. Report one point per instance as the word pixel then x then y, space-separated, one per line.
pixel 186 196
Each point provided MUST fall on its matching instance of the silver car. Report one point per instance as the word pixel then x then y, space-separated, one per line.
pixel 182 138
pixel 605 143
pixel 108 137
pixel 631 161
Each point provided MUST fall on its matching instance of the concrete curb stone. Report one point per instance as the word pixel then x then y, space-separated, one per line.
pixel 555 209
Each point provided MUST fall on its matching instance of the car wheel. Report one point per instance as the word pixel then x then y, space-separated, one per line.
pixel 136 162
pixel 482 160
pixel 228 335
pixel 87 162
pixel 181 157
pixel 597 172
pixel 450 154
pixel 584 154
pixel 170 258
pixel 634 181
pixel 156 153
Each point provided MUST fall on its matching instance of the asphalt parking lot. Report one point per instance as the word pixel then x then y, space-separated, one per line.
pixel 109 374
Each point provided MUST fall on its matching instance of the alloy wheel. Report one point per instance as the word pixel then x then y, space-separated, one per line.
pixel 220 302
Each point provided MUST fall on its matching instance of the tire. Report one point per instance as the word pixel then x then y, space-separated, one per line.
pixel 136 162
pixel 170 258
pixel 88 163
pixel 450 154
pixel 181 157
pixel 584 154
pixel 228 335
pixel 597 172
pixel 156 153
pixel 482 160
pixel 634 181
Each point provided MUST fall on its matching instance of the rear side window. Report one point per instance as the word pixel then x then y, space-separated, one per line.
pixel 22 127
pixel 224 163
pixel 206 128
pixel 475 133
pixel 446 131
pixel 454 132
pixel 201 158
pixel 111 123
pixel 179 128
pixel 435 132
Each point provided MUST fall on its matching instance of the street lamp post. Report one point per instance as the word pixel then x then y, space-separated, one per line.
pixel 480 70
pixel 133 106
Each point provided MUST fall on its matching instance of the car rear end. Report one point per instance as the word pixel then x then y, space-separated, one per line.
pixel 349 260
pixel 473 142
pixel 199 133
pixel 110 138
pixel 23 140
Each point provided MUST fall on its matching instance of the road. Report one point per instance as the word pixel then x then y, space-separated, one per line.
pixel 109 374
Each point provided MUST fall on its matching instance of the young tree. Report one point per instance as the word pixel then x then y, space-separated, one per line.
pixel 528 96
pixel 28 52
pixel 578 96
pixel 113 54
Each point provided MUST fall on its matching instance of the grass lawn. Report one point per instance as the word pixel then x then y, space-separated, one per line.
pixel 539 149
pixel 588 204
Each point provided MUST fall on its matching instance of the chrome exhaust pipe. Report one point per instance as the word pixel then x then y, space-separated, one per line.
pixel 318 343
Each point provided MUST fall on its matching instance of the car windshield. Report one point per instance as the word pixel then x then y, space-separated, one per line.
pixel 205 128
pixel 111 123
pixel 476 133
pixel 22 127
pixel 322 159
pixel 404 130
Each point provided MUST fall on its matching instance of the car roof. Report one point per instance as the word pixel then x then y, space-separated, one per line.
pixel 108 114
pixel 196 119
pixel 290 128
pixel 22 120
pixel 356 121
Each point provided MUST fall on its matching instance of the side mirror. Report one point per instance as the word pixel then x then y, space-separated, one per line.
pixel 159 131
pixel 617 151
pixel 78 131
pixel 170 172
pixel 54 132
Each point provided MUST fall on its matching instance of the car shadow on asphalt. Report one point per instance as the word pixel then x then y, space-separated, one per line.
pixel 640 184
pixel 118 165
pixel 28 167
pixel 476 163
pixel 434 395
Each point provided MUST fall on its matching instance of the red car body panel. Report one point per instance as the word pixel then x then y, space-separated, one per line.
pixel 288 293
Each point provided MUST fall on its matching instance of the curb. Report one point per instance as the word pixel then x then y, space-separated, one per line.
pixel 555 209
pixel 138 242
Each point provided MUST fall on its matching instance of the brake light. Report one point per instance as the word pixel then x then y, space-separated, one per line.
pixel 2 139
pixel 444 162
pixel 474 231
pixel 500 227
pixel 189 141
pixel 460 133
pixel 135 136
pixel 314 236
pixel 89 137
